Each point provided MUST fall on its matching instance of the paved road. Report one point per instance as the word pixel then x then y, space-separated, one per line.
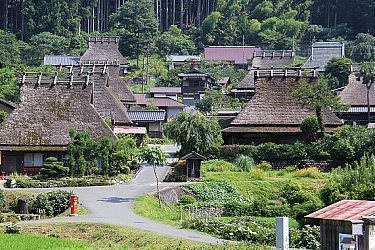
pixel 112 204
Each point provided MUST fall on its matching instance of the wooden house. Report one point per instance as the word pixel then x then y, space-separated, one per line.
pixel 194 85
pixel 274 114
pixel 347 224
pixel 193 165
pixel 355 96
pixel 169 92
pixel 152 120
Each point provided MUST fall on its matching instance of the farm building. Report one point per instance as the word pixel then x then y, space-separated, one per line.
pixel 274 114
pixel 347 224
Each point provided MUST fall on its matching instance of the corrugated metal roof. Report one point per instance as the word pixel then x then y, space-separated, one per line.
pixel 146 115
pixel 183 58
pixel 57 60
pixel 234 54
pixel 167 90
pixel 322 53
pixel 345 210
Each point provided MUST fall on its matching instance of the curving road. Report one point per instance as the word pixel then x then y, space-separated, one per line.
pixel 113 204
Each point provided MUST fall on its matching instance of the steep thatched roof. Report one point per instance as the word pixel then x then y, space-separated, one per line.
pixel 274 106
pixel 49 108
pixel 103 49
pixel 119 85
pixel 355 93
pixel 270 58
pixel 247 82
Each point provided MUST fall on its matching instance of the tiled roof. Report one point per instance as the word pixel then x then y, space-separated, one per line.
pixel 345 210
pixel 167 90
pixel 146 115
pixel 195 73
pixel 184 58
pixel 234 54
pixel 57 60
pixel 274 105
pixel 193 156
pixel 355 93
pixel 323 52
pixel 141 99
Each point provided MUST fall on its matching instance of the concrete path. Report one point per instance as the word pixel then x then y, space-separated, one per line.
pixel 113 204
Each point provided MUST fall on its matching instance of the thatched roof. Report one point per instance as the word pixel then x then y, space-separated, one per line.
pixel 274 105
pixel 103 49
pixel 355 93
pixel 247 82
pixel 49 108
pixel 270 58
pixel 119 85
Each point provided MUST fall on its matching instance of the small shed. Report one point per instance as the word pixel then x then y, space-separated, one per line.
pixel 193 165
pixel 347 224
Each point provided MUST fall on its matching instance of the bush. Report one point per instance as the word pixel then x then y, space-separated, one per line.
pixel 187 200
pixel 12 228
pixel 265 166
pixel 310 172
pixel 309 127
pixel 270 208
pixel 230 152
pixel 50 204
pixel 124 170
pixel 218 166
pixel 280 152
pixel 2 200
pixel 257 174
pixel 309 237
pixel 234 208
pixel 53 168
pixel 244 163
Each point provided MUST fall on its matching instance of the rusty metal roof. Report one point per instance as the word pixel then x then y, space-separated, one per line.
pixel 345 210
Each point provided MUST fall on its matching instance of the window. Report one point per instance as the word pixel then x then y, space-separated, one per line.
pixel 33 159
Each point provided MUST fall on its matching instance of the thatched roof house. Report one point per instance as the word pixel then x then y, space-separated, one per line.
pixel 266 59
pixel 39 126
pixel 355 96
pixel 274 114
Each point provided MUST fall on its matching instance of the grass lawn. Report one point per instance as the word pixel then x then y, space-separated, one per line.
pixel 100 236
pixel 28 242
pixel 148 206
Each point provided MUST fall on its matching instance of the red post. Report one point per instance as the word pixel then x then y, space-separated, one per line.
pixel 73 205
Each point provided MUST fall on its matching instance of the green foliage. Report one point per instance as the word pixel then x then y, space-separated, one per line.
pixel 174 42
pixel 259 173
pixel 187 200
pixel 53 168
pixel 217 166
pixel 50 204
pixel 363 48
pixel 265 166
pixel 244 163
pixel 47 43
pixel 338 68
pixel 9 50
pixel 136 23
pixel 278 152
pixel 230 152
pixel 3 115
pixel 310 172
pixel 153 156
pixel 218 191
pixel 12 228
pixel 8 87
pixel 367 73
pixel 318 97
pixel 195 132
pixel 309 127
pixel 2 200
pixel 219 70
pixel 355 182
pixel 309 237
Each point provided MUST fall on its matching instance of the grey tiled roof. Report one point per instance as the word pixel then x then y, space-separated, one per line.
pixel 146 115
pixel 322 53
pixel 56 60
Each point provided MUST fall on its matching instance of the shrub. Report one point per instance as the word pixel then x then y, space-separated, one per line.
pixel 310 172
pixel 187 199
pixel 230 152
pixel 235 208
pixel 309 127
pixel 2 200
pixel 257 174
pixel 12 228
pixel 53 168
pixel 124 170
pixel 270 208
pixel 293 193
pixel 280 152
pixel 218 166
pixel 265 166
pixel 50 204
pixel 244 163
pixel 309 237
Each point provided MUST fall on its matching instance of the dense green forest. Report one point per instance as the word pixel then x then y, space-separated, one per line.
pixel 31 29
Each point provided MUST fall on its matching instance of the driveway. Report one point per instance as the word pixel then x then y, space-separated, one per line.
pixel 113 204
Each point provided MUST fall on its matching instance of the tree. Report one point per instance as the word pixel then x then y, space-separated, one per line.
pixel 154 156
pixel 363 48
pixel 174 42
pixel 309 127
pixel 367 75
pixel 195 132
pixel 339 69
pixel 47 43
pixel 52 168
pixel 136 23
pixel 8 84
pixel 317 97
pixel 9 50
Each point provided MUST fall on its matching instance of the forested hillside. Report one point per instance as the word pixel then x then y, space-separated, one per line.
pixel 153 29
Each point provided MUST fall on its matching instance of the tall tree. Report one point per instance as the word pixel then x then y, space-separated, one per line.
pixel 9 49
pixel 318 97
pixel 135 21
